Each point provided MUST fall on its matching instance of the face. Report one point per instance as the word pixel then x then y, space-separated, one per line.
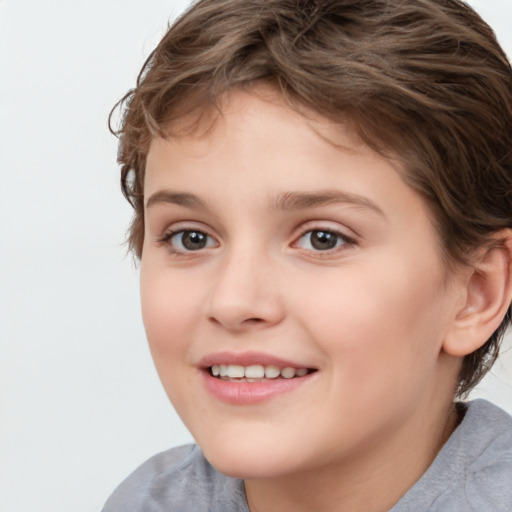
pixel 291 290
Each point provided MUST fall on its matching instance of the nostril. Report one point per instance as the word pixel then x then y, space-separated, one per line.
pixel 253 320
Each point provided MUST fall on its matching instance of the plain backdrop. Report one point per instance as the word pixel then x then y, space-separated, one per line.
pixel 81 405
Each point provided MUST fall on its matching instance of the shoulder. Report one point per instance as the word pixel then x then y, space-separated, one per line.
pixel 473 471
pixel 489 471
pixel 180 479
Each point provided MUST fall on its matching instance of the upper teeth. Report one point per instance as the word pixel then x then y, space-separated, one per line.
pixel 256 371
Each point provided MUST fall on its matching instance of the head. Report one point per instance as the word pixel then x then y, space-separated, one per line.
pixel 423 84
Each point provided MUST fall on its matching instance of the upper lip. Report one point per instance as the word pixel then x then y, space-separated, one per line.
pixel 248 359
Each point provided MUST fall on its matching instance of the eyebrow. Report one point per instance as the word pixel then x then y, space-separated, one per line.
pixel 287 201
pixel 179 198
pixel 304 200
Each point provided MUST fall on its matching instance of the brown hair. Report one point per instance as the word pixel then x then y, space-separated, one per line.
pixel 424 82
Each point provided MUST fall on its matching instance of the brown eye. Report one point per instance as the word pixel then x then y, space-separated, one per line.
pixel 322 240
pixel 190 240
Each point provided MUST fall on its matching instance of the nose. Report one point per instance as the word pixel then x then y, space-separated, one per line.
pixel 245 294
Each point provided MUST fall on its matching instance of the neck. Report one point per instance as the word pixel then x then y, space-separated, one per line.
pixel 375 479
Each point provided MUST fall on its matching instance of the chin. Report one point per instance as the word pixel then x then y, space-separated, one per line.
pixel 248 469
pixel 248 462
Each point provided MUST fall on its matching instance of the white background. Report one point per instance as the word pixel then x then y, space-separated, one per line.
pixel 81 405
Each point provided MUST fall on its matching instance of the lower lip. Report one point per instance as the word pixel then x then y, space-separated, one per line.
pixel 248 393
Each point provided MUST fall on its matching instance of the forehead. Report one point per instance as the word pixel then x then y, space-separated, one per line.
pixel 256 135
pixel 273 124
pixel 254 103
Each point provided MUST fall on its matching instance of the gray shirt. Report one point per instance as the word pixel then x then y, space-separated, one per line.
pixel 472 473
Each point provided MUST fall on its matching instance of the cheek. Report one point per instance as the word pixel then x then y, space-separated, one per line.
pixel 378 327
pixel 169 310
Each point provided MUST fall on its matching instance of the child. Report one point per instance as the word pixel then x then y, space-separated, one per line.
pixel 323 214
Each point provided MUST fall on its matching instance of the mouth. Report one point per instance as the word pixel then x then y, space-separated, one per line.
pixel 251 378
pixel 256 372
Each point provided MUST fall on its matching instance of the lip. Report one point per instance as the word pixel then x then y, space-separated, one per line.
pixel 250 393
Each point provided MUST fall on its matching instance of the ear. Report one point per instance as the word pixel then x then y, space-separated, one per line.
pixel 488 297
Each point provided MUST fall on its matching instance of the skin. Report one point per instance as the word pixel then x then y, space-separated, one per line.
pixel 371 315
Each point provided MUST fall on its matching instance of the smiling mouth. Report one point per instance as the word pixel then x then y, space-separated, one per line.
pixel 256 372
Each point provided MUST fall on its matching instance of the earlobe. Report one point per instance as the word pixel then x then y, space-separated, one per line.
pixel 488 297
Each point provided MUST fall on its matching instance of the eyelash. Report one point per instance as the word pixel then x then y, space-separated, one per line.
pixel 341 241
pixel 168 236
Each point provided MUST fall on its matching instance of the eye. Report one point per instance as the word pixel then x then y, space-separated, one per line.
pixel 322 240
pixel 187 240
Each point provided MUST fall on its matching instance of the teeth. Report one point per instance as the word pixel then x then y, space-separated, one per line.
pixel 272 372
pixel 288 373
pixel 236 372
pixel 256 372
